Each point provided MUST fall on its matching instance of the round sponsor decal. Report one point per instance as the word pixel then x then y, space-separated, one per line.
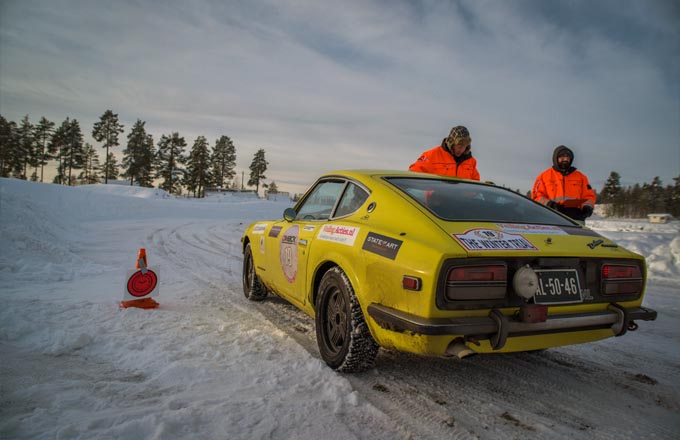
pixel 489 234
pixel 141 284
pixel 288 253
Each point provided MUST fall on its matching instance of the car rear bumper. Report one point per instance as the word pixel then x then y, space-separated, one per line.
pixel 498 328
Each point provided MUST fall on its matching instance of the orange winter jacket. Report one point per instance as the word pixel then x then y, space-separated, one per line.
pixel 440 161
pixel 571 190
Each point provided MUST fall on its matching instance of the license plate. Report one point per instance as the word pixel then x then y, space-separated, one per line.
pixel 558 286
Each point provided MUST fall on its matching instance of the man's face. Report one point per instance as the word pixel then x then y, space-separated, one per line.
pixel 563 161
pixel 460 148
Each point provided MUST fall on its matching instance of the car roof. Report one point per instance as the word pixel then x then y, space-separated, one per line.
pixel 361 174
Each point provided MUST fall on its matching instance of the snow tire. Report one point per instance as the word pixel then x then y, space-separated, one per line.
pixel 344 340
pixel 253 288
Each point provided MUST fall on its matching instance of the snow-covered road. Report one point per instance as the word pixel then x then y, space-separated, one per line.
pixel 210 364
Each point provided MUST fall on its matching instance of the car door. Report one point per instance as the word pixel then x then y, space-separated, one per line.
pixel 295 238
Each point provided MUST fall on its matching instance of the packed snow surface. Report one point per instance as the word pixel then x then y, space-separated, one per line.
pixel 209 364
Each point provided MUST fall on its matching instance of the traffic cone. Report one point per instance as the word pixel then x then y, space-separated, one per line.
pixel 142 303
pixel 141 256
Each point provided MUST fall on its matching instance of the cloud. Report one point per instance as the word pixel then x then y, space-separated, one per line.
pixel 363 84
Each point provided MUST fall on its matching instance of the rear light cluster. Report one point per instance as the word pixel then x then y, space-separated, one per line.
pixel 621 279
pixel 482 282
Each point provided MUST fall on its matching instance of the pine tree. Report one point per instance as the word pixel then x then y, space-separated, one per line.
pixel 56 149
pixel 111 167
pixel 273 189
pixel 198 167
pixel 138 157
pixel 674 199
pixel 25 152
pixel 257 169
pixel 223 161
pixel 634 202
pixel 611 194
pixel 7 146
pixel 169 161
pixel 107 131
pixel 146 173
pixel 73 150
pixel 91 167
pixel 43 133
pixel 655 196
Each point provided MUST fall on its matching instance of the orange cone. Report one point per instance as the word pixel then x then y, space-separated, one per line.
pixel 141 256
pixel 142 303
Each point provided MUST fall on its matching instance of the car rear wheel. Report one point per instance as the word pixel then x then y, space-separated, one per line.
pixel 345 342
pixel 253 288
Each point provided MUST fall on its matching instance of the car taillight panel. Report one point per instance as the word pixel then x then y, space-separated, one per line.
pixel 620 279
pixel 482 282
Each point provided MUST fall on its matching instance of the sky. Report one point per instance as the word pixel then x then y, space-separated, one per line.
pixel 363 84
pixel 210 364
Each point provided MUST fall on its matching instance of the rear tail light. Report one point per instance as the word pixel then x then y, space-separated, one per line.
pixel 620 279
pixel 481 282
pixel 411 283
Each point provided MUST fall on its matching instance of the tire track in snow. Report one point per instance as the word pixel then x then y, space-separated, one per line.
pixel 523 395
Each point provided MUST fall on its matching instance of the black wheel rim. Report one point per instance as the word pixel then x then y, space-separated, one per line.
pixel 336 321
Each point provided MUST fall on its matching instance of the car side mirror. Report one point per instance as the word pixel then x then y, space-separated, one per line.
pixel 289 214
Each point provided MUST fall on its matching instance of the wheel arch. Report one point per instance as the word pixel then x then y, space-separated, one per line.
pixel 244 242
pixel 316 280
pixel 324 267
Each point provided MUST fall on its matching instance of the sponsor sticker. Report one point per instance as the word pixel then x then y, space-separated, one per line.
pixel 513 228
pixel 288 253
pixel 339 234
pixel 492 240
pixel 275 231
pixel 382 245
pixel 309 228
pixel 259 228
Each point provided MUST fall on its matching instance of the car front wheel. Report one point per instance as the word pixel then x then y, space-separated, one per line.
pixel 345 342
pixel 253 288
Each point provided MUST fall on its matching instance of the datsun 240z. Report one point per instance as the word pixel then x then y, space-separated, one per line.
pixel 439 266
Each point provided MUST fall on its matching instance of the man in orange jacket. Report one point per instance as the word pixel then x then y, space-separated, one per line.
pixel 563 188
pixel 451 158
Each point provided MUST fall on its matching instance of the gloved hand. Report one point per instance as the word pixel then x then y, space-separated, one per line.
pixel 587 210
pixel 551 204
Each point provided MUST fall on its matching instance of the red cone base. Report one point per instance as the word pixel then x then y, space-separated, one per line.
pixel 144 303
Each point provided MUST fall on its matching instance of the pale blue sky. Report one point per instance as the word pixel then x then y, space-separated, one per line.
pixel 324 85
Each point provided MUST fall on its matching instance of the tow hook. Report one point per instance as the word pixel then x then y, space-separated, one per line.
pixel 632 326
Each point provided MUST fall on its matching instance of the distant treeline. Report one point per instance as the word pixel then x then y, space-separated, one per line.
pixel 639 200
pixel 26 148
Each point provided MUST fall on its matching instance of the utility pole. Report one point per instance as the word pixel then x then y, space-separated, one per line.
pixel 242 174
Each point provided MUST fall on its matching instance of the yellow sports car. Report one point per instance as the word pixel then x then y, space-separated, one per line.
pixel 439 266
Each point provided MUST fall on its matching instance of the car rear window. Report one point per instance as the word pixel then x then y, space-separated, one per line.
pixel 467 201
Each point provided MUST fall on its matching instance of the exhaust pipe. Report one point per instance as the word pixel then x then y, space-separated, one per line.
pixel 459 349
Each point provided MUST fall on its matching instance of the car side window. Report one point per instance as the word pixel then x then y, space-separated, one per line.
pixel 319 204
pixel 352 199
